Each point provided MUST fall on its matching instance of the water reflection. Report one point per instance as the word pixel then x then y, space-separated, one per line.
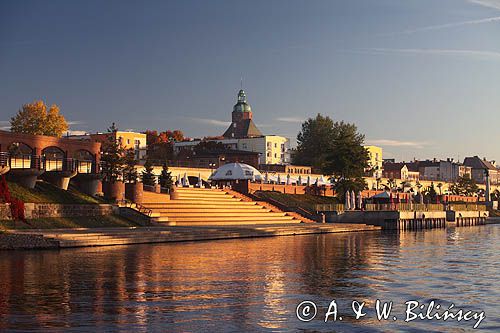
pixel 251 284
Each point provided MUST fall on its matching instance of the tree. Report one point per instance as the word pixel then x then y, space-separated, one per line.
pixel 129 171
pixel 34 119
pixel 112 159
pixel 431 193
pixel 148 177
pixel 464 186
pixel 336 149
pixel 440 187
pixel 160 145
pixel 166 177
pixel 314 141
pixel 346 158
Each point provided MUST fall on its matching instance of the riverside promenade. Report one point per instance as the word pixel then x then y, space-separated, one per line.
pixel 67 238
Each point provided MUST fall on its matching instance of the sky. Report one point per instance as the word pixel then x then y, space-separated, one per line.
pixel 420 78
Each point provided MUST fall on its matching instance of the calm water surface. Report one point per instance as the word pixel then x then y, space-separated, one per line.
pixel 253 284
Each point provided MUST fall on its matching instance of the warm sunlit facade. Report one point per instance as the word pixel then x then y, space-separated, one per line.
pixel 375 161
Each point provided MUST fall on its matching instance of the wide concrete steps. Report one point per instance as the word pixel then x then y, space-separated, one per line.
pixel 208 199
pixel 234 219
pixel 199 203
pixel 216 211
pixel 199 207
pixel 123 236
pixel 263 213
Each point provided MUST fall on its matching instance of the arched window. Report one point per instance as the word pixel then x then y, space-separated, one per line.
pixel 53 158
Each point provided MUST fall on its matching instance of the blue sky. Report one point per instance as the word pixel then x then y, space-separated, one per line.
pixel 421 78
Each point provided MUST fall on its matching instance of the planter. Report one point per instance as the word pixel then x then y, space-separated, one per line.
pixel 25 177
pixel 133 192
pixel 174 194
pixel 89 183
pixel 114 191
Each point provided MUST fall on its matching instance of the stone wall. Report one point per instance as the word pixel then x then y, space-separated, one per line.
pixel 5 212
pixel 10 241
pixel 38 210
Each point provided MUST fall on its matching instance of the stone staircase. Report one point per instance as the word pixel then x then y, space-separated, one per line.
pixel 62 238
pixel 200 206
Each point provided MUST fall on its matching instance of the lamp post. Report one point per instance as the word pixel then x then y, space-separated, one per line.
pixel 487 180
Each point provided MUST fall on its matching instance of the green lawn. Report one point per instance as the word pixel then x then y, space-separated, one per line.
pixel 305 201
pixel 69 222
pixel 47 193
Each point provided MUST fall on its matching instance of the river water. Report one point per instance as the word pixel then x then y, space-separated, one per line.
pixel 245 285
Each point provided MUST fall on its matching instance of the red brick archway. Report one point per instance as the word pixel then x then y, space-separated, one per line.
pixel 69 147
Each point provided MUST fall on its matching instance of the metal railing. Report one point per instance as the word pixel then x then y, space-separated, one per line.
pixel 467 207
pixel 28 161
pixel 4 159
pixel 138 207
pixel 406 207
pixel 329 207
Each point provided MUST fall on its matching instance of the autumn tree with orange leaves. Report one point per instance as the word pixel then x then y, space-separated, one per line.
pixel 160 144
pixel 34 118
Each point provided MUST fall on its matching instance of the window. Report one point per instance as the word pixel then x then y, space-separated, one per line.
pixel 282 147
pixel 229 173
pixel 268 154
pixel 275 155
pixel 244 146
pixel 275 145
pixel 128 141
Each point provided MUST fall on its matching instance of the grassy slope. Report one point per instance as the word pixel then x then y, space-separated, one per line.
pixel 47 193
pixel 72 222
pixel 306 201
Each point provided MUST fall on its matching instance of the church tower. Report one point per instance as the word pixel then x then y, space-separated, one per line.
pixel 242 125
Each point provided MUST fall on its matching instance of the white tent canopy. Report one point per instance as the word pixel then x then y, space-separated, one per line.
pixel 236 171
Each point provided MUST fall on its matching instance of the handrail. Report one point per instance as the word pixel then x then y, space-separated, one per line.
pixel 284 207
pixel 329 207
pixel 409 207
pixel 135 206
pixel 29 161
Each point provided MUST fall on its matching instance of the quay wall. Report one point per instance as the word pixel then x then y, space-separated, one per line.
pixel 393 220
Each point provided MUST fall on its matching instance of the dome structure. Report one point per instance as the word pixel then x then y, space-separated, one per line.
pixel 242 105
pixel 236 171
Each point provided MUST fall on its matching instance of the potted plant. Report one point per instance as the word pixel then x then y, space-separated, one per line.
pixel 112 164
pixel 149 178
pixel 133 188
pixel 165 178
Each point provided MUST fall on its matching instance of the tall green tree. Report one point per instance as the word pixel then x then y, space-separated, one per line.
pixel 148 177
pixel 129 170
pixel 336 149
pixel 112 157
pixel 166 177
pixel 314 141
pixel 346 157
